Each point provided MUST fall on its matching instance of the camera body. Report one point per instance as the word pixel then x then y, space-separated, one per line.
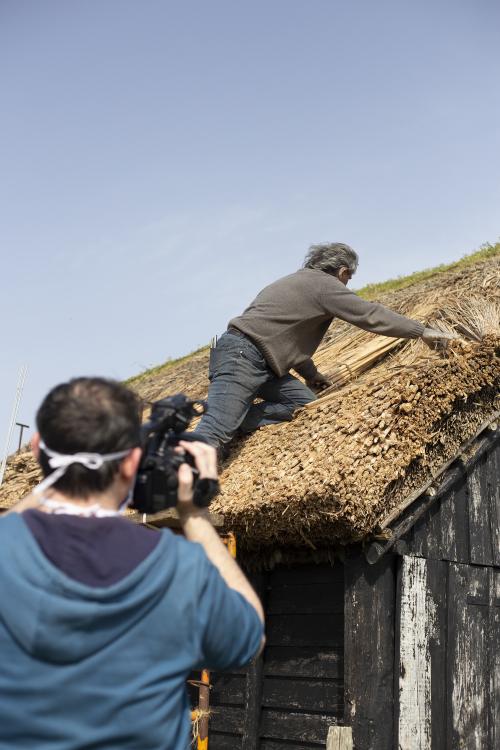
pixel 156 482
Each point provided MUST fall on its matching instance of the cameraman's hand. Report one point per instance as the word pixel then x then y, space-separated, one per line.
pixel 205 459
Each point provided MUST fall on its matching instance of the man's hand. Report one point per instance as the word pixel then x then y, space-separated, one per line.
pixel 436 339
pixel 205 459
pixel 319 382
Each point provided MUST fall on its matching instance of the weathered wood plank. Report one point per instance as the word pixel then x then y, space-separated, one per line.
pixel 254 680
pixel 481 551
pixel 427 532
pixel 448 526
pixel 418 544
pixel 219 741
pixel 169 519
pixel 493 489
pixel 369 652
pixel 421 647
pixel 305 630
pixel 227 719
pixel 339 738
pixel 460 520
pixel 306 575
pixel 494 626
pixel 315 598
pixel 414 723
pixel 267 744
pixel 227 689
pixel 306 695
pixel 437 588
pixel 413 515
pixel 295 726
pixel 468 659
pixel 442 531
pixel 253 704
pixel 434 532
pixel 282 661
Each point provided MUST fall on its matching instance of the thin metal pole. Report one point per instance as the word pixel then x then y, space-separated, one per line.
pixel 17 400
pixel 22 426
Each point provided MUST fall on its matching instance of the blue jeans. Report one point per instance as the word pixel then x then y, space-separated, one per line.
pixel 238 373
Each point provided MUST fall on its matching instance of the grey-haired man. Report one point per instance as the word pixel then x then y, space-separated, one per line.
pixel 279 331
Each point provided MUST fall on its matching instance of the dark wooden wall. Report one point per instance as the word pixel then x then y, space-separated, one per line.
pixel 448 657
pixel 295 691
pixel 452 557
pixel 424 621
pixel 464 525
pixel 370 602
pixel 422 659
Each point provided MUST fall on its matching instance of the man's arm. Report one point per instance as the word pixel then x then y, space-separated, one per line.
pixel 197 527
pixel 374 317
pixel 342 303
pixel 312 376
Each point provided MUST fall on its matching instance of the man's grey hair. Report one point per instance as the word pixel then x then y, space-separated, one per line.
pixel 331 257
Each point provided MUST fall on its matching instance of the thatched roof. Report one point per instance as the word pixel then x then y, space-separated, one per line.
pixel 397 412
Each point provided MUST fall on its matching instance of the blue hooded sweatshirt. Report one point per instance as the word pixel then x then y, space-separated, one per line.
pixel 88 667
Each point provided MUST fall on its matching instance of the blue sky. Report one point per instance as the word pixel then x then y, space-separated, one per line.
pixel 162 161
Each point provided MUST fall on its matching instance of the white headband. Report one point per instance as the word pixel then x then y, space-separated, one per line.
pixel 61 461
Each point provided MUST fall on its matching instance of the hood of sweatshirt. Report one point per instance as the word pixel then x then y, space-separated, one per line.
pixel 59 620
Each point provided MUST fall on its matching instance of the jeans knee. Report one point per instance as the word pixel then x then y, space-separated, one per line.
pixel 305 397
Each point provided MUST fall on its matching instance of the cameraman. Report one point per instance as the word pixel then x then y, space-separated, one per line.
pixel 102 620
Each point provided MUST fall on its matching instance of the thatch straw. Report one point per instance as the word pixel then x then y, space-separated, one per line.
pixel 397 411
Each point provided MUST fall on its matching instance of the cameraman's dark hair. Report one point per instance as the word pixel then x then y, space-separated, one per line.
pixel 331 257
pixel 92 415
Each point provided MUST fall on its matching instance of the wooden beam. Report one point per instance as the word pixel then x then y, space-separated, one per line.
pixel 169 518
pixel 339 738
pixel 456 469
pixel 489 424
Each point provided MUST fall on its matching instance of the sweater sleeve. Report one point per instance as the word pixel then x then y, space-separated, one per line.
pixel 342 303
pixel 229 628
pixel 307 369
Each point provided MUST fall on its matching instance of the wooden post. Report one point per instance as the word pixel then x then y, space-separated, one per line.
pixel 339 738
pixel 204 707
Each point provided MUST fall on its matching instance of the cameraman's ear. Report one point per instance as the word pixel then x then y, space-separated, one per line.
pixel 130 464
pixel 35 445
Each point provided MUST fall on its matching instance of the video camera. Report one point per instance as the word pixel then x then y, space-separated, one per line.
pixel 156 482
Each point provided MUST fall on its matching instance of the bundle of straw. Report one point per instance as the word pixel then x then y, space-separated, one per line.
pixel 353 351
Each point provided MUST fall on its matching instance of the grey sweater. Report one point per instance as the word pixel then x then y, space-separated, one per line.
pixel 288 319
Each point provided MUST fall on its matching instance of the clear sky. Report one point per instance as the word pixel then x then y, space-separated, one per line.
pixel 162 161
